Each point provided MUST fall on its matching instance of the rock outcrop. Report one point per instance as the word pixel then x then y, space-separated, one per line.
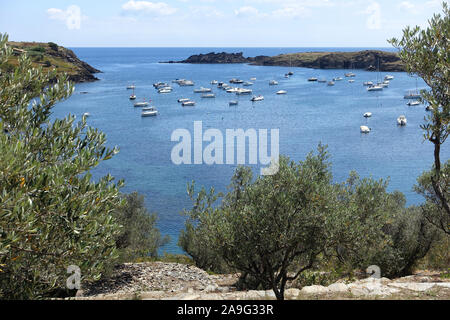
pixel 368 60
pixel 50 56
pixel 172 281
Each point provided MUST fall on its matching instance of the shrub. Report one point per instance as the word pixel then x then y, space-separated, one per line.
pixel 53 46
pixel 52 214
pixel 139 237
pixel 37 49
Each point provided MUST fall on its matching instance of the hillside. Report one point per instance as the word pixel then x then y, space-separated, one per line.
pixel 51 56
pixel 367 60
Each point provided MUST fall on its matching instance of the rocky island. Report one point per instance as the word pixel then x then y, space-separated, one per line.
pixel 51 56
pixel 368 60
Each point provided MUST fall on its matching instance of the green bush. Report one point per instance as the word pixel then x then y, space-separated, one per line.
pixel 53 46
pixel 139 237
pixel 52 214
pixel 37 49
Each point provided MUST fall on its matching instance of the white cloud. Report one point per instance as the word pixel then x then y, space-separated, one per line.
pixel 290 12
pixel 156 8
pixel 374 19
pixel 408 6
pixel 71 16
pixel 247 11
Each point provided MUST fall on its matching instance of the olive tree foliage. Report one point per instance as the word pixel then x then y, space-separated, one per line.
pixel 139 236
pixel 426 53
pixel 52 213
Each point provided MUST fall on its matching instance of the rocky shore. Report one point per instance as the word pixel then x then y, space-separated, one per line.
pixel 172 281
pixel 51 56
pixel 367 60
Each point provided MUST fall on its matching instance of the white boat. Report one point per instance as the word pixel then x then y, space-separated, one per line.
pixel 257 98
pixel 412 95
pixel 248 84
pixel 232 90
pixel 367 114
pixel 368 83
pixel 350 75
pixel 86 114
pixel 236 81
pixel 183 100
pixel 331 83
pixel 273 82
pixel 131 87
pixel 185 83
pixel 164 91
pixel 383 84
pixel 233 103
pixel 214 82
pixel 241 91
pixel 208 95
pixel 253 79
pixel 337 79
pixel 389 77
pixel 159 85
pixel 282 92
pixel 401 121
pixel 364 129
pixel 413 103
pixel 202 90
pixel 313 79
pixel 141 104
pixel 375 88
pixel 149 112
pixel 188 103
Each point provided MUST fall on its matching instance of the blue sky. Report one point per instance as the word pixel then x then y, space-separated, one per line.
pixel 213 23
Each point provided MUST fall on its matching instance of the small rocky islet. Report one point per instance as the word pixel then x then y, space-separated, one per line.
pixel 370 60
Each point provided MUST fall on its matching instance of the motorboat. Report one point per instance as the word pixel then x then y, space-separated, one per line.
pixel 232 90
pixel 322 80
pixel 141 104
pixel 131 87
pixel 313 79
pixel 208 95
pixel 331 83
pixel 273 82
pixel 202 90
pixel 413 103
pixel 188 103
pixel 248 84
pixel 412 95
pixel 350 75
pixel 383 84
pixel 337 79
pixel 234 103
pixel 214 82
pixel 185 83
pixel 282 92
pixel 389 77
pixel 375 88
pixel 243 91
pixel 401 121
pixel 149 112
pixel 364 129
pixel 159 85
pixel 367 114
pixel 368 83
pixel 290 73
pixel 165 90
pixel 236 81
pixel 183 100
pixel 257 98
pixel 253 79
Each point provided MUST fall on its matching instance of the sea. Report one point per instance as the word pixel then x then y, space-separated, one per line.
pixel 310 113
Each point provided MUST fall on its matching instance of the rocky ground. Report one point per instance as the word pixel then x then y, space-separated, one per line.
pixel 171 281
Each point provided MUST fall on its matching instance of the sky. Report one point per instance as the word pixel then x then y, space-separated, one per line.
pixel 213 23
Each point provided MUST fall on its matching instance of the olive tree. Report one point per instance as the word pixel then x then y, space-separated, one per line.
pixel 426 53
pixel 52 213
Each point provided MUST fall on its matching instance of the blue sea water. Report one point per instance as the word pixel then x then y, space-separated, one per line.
pixel 310 113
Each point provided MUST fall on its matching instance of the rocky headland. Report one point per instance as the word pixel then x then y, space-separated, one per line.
pixel 369 60
pixel 53 57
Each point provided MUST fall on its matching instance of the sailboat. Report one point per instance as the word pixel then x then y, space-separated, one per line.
pixel 133 96
pixel 413 95
pixel 378 86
